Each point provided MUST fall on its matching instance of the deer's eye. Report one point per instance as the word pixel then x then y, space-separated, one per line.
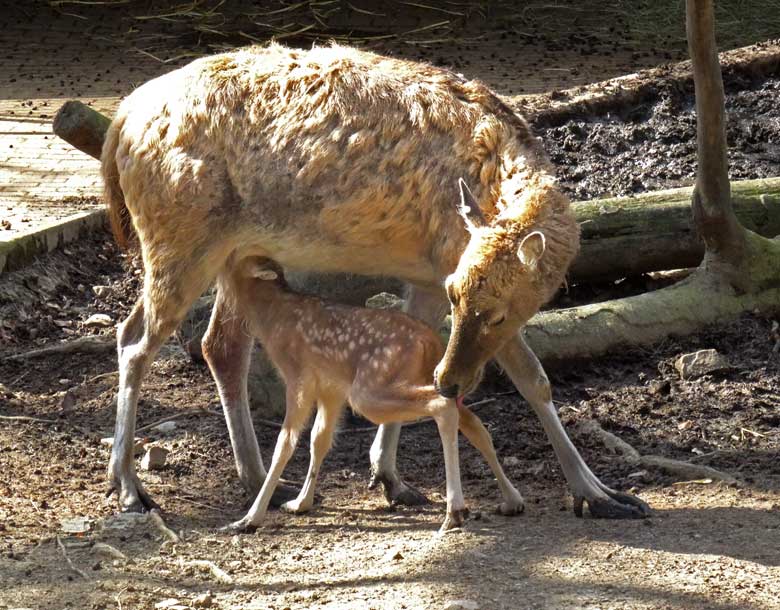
pixel 498 321
pixel 452 296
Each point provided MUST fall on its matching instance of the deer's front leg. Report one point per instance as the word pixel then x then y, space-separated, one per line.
pixel 523 367
pixel 447 421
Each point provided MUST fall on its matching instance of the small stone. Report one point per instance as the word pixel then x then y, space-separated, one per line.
pixel 696 364
pixel 385 300
pixel 167 603
pixel 99 319
pixel 124 521
pixel 138 444
pixel 511 461
pixel 461 604
pixel 660 387
pixel 395 554
pixel 77 525
pixel 204 600
pixel 166 427
pixel 102 291
pixel 154 458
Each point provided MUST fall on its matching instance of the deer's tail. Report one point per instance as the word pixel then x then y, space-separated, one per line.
pixel 118 215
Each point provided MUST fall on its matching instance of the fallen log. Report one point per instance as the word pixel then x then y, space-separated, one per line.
pixel 655 231
pixel 81 126
pixel 620 236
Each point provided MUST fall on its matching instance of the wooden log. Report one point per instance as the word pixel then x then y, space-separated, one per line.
pixel 655 231
pixel 81 126
pixel 620 236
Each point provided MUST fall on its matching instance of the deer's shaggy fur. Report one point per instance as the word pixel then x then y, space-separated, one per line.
pixel 333 159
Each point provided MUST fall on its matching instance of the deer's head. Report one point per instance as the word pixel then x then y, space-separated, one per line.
pixel 502 279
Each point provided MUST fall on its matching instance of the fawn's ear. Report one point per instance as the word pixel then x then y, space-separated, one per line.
pixel 265 274
pixel 469 208
pixel 532 248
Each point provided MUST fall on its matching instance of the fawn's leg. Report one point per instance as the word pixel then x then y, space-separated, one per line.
pixel 407 403
pixel 523 367
pixel 447 421
pixel 429 307
pixel 474 430
pixel 167 295
pixel 321 441
pixel 227 348
pixel 299 406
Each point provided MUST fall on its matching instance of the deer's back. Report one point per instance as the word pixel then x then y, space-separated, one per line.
pixel 333 149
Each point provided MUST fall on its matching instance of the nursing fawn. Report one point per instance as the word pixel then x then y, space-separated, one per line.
pixel 381 362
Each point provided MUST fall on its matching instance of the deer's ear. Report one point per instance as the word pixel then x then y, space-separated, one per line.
pixel 469 208
pixel 532 248
pixel 265 274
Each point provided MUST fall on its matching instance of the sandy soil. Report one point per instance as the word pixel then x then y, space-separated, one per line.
pixel 708 545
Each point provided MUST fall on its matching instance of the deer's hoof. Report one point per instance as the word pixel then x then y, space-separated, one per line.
pixel 242 526
pixel 613 505
pixel 454 520
pixel 510 509
pixel 295 507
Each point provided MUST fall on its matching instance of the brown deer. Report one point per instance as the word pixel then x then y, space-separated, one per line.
pixel 379 361
pixel 336 159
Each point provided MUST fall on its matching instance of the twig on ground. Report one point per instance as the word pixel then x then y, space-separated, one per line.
pixel 177 416
pixel 69 562
pixel 156 518
pixel 27 418
pixel 219 574
pixel 91 344
pixel 633 457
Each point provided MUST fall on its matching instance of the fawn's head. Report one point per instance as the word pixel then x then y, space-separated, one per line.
pixel 498 285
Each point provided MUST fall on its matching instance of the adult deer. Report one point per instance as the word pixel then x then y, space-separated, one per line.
pixel 327 160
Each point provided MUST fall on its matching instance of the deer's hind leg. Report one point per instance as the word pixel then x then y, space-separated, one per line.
pixel 300 402
pixel 429 307
pixel 227 348
pixel 169 290
pixel 321 441
pixel 476 433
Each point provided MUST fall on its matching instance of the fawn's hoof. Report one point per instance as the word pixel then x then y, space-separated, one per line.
pixel 242 526
pixel 454 520
pixel 510 509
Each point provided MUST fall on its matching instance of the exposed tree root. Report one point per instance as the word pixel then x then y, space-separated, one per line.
pixel 685 470
pixel 706 297
pixel 553 109
pixel 71 565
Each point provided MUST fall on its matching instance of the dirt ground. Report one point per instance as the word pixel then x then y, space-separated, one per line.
pixel 708 545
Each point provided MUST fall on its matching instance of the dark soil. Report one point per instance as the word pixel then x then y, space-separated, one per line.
pixel 653 145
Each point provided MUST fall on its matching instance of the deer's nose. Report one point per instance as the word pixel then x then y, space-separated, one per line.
pixel 450 391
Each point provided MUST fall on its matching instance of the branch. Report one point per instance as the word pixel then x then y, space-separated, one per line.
pixel 633 457
pixel 91 344
pixel 68 561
